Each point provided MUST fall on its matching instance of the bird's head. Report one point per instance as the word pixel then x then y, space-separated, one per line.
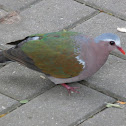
pixel 111 40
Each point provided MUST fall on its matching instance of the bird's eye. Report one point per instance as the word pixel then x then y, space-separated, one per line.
pixel 112 43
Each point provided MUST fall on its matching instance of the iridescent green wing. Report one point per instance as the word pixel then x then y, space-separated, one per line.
pixel 55 54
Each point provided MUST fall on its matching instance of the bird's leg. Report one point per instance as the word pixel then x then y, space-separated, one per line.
pixel 70 89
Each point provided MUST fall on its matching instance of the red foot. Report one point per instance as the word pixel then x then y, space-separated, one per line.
pixel 70 89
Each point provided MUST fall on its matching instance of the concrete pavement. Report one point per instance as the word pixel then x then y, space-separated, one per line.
pixel 50 105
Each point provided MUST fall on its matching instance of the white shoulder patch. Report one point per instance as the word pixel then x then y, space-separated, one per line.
pixel 80 61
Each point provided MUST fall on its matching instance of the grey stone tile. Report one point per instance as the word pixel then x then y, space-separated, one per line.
pixel 108 117
pixel 20 82
pixel 6 103
pixel 55 14
pixel 111 78
pixel 103 23
pixel 56 107
pixel 115 6
pixel 3 13
pixel 15 4
pixel 46 16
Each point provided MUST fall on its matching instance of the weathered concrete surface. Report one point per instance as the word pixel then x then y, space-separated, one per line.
pixel 15 4
pixel 56 107
pixel 20 82
pixel 6 103
pixel 116 7
pixel 108 117
pixel 2 13
pixel 46 16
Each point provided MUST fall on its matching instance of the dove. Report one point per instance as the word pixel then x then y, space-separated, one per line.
pixel 63 56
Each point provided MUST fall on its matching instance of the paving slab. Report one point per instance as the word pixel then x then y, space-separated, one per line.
pixel 55 107
pixel 22 83
pixel 2 13
pixel 111 78
pixel 103 23
pixel 15 4
pixel 46 16
pixel 6 103
pixel 117 7
pixel 108 117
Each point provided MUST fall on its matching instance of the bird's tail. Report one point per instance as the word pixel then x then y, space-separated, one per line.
pixel 3 60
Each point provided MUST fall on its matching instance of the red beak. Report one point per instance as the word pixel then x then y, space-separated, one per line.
pixel 121 50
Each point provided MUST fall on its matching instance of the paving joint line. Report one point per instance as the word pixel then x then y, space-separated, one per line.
pixel 38 94
pixel 8 96
pixel 93 114
pixel 78 122
pixel 79 1
pixel 13 108
pixel 29 5
pixel 80 21
pixel 104 10
pixel 103 91
pixel 2 7
pixel 107 11
pixel 10 109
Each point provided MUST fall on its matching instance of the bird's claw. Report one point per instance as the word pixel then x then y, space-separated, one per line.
pixel 70 89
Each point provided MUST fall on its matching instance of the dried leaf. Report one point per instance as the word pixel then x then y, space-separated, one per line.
pixel 121 29
pixel 24 101
pixel 3 115
pixel 108 105
pixel 121 102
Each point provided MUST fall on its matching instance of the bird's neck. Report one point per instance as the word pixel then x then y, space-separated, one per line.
pixel 101 54
pixel 96 56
